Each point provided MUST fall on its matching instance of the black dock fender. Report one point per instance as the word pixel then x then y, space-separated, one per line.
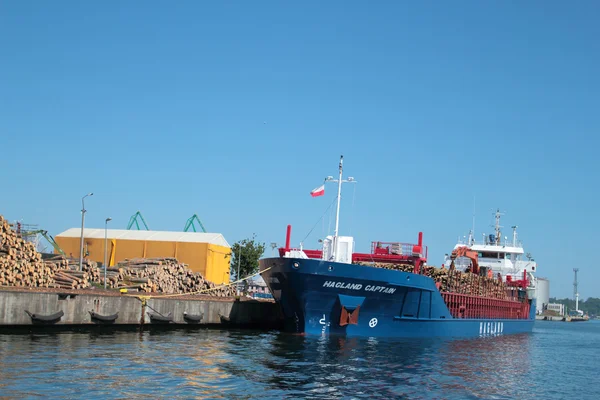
pixel 224 319
pixel 45 319
pixel 157 318
pixel 103 319
pixel 192 318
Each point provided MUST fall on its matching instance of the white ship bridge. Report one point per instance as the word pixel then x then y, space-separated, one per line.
pixel 500 255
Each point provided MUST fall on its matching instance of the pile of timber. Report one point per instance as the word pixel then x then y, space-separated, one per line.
pixel 395 267
pixel 455 281
pixel 22 266
pixel 161 275
pixel 68 276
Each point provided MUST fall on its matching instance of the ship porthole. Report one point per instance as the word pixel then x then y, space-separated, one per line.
pixel 296 265
pixel 330 268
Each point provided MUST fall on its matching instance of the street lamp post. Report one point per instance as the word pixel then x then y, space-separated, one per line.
pixel 237 278
pixel 106 248
pixel 82 221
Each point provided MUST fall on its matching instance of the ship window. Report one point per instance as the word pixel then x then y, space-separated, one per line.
pixel 490 255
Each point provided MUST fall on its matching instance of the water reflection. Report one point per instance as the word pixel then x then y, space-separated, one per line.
pixel 315 367
pixel 486 367
pixel 247 364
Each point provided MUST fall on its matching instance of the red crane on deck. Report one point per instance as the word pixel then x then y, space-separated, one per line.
pixel 464 251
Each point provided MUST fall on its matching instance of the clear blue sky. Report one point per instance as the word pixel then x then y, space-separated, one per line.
pixel 236 110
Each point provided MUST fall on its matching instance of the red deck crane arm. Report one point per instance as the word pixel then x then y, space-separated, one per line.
pixel 466 252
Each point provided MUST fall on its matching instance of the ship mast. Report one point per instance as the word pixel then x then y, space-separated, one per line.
pixel 337 211
pixel 472 233
pixel 339 181
pixel 498 233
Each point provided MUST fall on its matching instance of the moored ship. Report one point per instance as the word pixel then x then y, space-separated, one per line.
pixel 391 292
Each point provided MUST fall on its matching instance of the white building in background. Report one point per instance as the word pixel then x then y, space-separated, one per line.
pixel 559 308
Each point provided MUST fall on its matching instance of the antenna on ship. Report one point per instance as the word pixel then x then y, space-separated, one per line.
pixel 339 181
pixel 514 228
pixel 472 234
pixel 497 227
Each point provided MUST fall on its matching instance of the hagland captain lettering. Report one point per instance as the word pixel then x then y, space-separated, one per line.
pixel 380 289
pixel 358 286
pixel 342 285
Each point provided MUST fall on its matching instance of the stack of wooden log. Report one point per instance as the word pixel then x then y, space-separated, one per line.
pixel 161 275
pixel 68 276
pixel 21 265
pixel 395 267
pixel 455 281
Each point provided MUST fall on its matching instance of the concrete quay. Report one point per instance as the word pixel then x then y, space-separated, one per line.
pixel 54 308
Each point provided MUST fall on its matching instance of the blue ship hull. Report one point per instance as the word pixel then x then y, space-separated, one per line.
pixel 315 295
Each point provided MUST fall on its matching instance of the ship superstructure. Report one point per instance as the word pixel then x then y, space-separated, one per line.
pixel 504 256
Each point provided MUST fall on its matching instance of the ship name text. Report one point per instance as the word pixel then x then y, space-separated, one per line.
pixel 359 286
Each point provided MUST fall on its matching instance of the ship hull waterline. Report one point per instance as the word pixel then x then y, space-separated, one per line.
pixel 316 296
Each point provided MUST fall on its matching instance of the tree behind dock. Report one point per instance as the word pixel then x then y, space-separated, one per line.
pixel 246 252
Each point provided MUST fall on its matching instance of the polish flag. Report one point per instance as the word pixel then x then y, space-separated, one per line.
pixel 320 191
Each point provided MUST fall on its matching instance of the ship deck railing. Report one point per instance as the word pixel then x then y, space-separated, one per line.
pixel 478 307
pixel 503 243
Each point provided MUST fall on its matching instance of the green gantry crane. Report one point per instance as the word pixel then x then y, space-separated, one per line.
pixel 134 220
pixel 190 224
pixel 49 238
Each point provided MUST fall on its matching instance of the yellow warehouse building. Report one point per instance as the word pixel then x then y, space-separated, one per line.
pixel 207 253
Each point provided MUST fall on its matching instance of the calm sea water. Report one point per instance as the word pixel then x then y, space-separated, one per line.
pixel 557 361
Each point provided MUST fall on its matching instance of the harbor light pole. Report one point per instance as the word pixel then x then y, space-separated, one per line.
pixel 237 277
pixel 106 248
pixel 82 222
pixel 575 290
